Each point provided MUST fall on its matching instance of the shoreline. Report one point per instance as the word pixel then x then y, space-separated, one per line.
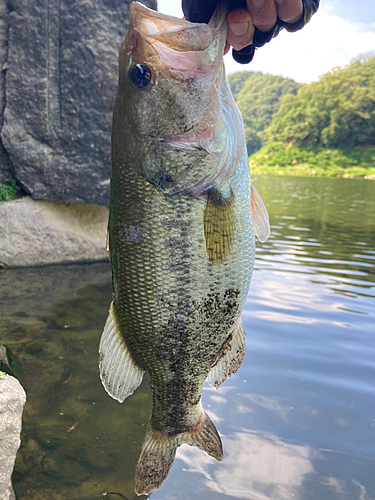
pixel 309 172
pixel 277 158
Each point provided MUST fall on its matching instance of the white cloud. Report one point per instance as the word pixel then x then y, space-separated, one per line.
pixel 257 466
pixel 327 41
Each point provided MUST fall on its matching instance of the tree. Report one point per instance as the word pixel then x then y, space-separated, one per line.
pixel 258 97
pixel 337 111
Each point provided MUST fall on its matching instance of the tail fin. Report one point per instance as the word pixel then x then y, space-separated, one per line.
pixel 159 450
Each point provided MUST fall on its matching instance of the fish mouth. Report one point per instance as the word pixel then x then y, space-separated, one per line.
pixel 177 34
pixel 176 46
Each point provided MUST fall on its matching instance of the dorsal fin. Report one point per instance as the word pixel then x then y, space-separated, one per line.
pixel 261 220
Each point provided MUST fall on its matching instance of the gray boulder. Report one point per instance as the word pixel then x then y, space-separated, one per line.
pixel 5 170
pixel 9 493
pixel 36 232
pixel 12 400
pixel 61 82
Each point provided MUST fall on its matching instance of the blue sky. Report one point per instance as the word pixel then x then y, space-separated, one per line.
pixel 360 11
pixel 339 32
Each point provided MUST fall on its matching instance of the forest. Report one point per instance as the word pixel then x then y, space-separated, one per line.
pixel 324 128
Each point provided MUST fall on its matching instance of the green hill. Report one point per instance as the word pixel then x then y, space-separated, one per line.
pixel 258 98
pixel 322 128
pixel 337 111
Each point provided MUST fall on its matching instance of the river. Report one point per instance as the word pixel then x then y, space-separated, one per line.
pixel 298 419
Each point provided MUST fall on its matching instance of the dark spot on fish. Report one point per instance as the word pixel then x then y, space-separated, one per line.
pixel 188 358
pixel 162 179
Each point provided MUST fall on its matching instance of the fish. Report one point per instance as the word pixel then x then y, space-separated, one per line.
pixel 181 232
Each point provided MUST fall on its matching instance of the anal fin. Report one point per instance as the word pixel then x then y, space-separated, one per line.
pixel 232 359
pixel 119 374
pixel 159 450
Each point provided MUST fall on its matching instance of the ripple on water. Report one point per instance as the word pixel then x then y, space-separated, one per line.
pixel 297 420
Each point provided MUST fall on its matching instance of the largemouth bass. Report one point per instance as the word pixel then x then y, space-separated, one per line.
pixel 181 232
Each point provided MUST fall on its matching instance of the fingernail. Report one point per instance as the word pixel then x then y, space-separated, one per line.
pixel 239 29
pixel 257 3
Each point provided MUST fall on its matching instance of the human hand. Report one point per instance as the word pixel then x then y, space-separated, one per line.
pixel 260 14
pixel 252 23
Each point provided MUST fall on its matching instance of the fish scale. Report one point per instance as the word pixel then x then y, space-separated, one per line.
pixel 167 265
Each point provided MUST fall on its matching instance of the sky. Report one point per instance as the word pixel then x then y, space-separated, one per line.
pixel 340 31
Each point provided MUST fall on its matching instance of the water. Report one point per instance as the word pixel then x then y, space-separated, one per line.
pixel 298 419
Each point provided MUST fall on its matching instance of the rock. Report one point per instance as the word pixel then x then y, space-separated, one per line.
pixel 9 363
pixel 12 400
pixel 60 87
pixel 50 431
pixel 50 467
pixel 34 349
pixel 47 439
pixel 28 456
pixel 9 493
pixel 5 170
pixel 45 232
pixel 77 321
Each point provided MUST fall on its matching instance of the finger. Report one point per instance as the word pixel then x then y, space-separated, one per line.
pixel 240 29
pixel 289 11
pixel 197 11
pixel 263 13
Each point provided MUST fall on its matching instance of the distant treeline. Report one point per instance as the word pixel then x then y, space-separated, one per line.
pixel 337 112
pixel 258 97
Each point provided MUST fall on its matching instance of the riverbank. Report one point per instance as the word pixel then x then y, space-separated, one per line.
pixel 277 158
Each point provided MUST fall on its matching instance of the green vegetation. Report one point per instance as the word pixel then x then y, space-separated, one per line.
pixel 325 128
pixel 292 159
pixel 8 190
pixel 335 112
pixel 258 98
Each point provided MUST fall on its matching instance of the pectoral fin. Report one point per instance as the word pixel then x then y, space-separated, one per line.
pixel 232 359
pixel 118 372
pixel 261 220
pixel 107 241
pixel 219 225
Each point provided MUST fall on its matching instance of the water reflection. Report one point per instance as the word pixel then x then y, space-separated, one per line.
pixel 298 418
pixel 257 466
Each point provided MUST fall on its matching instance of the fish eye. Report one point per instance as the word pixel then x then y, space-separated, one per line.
pixel 141 76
